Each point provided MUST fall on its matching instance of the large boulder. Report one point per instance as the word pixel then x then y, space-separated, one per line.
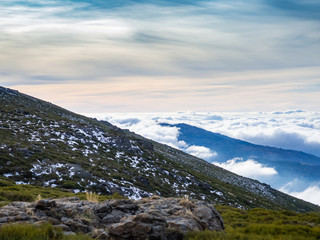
pixel 149 218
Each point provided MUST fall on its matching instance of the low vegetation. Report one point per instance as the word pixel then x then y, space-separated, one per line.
pixel 262 224
pixel 43 232
pixel 253 224
pixel 10 192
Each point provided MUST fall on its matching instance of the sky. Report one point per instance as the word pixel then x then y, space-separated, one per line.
pixel 297 130
pixel 160 56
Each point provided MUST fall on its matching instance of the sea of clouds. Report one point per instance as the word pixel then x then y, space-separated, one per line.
pixel 297 130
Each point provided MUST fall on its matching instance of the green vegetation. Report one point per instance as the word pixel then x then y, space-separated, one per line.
pixel 262 224
pixel 43 232
pixel 10 192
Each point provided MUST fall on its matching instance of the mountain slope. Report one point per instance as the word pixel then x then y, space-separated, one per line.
pixel 42 144
pixel 289 164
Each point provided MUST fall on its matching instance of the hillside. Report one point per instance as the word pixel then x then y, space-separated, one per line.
pixel 289 164
pixel 45 145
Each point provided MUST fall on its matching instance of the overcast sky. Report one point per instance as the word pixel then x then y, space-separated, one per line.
pixel 146 56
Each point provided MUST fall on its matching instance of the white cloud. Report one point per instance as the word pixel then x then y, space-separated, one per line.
pixel 310 194
pixel 201 152
pixel 249 168
pixel 147 128
pixel 299 130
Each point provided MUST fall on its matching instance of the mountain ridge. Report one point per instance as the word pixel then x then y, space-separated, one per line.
pixel 289 164
pixel 43 144
pixel 315 159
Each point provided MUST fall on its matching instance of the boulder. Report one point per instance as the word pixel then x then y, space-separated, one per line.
pixel 149 218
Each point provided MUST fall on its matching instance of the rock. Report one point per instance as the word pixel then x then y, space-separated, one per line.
pixel 142 226
pixel 149 218
pixel 114 217
pixel 3 220
pixel 64 227
pixel 44 204
pixel 104 210
pixel 99 234
pixel 77 226
pixel 209 219
pixel 127 206
pixel 65 219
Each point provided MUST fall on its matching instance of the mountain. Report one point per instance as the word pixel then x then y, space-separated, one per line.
pixel 289 164
pixel 46 145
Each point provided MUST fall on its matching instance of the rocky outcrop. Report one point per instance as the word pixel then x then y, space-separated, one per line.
pixel 148 218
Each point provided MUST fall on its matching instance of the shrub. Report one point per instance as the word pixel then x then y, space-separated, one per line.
pixel 17 196
pixel 70 185
pixel 6 182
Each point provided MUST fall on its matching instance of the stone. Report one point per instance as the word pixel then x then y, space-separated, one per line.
pixel 141 226
pixel 153 218
pixel 45 204
pixel 100 234
pixel 64 227
pixel 113 217
pixel 3 220
pixel 104 209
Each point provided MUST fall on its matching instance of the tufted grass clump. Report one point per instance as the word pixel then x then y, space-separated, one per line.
pixel 42 232
pixel 186 202
pixel 92 197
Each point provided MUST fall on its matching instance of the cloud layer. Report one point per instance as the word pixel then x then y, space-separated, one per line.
pixel 297 130
pixel 247 168
pixel 310 193
pixel 162 55
pixel 201 152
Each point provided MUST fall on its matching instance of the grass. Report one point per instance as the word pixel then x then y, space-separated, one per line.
pixel 253 224
pixel 263 224
pixel 10 192
pixel 42 232
pixel 92 197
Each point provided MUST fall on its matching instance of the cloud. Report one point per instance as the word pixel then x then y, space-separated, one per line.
pixel 249 168
pixel 234 63
pixel 287 139
pixel 292 127
pixel 147 128
pixel 201 152
pixel 130 121
pixel 299 130
pixel 310 194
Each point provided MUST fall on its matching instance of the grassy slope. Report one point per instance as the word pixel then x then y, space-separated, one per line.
pixel 262 224
pixel 10 192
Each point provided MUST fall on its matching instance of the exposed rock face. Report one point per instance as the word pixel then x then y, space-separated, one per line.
pixel 148 218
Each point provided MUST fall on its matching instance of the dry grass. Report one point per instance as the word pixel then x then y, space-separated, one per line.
pixel 155 197
pixel 38 198
pixel 186 202
pixel 92 197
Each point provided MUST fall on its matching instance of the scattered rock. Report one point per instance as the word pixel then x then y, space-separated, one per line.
pixel 149 218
